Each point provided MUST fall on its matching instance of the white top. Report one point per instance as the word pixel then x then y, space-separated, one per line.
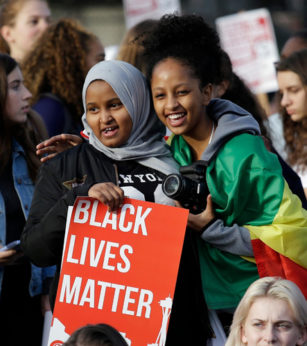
pixel 302 174
pixel 276 130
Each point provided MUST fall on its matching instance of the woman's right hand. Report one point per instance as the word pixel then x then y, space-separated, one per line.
pixel 109 194
pixel 8 256
pixel 56 144
pixel 199 221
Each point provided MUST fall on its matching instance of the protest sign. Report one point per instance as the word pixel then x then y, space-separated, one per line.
pixel 139 10
pixel 119 268
pixel 249 39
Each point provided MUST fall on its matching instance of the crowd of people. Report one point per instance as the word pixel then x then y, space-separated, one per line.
pixel 66 115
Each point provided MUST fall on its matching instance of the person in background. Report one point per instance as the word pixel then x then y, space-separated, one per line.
pixel 245 182
pixel 292 82
pixel 273 311
pixel 131 48
pixel 54 72
pixel 295 42
pixel 21 24
pixel 96 335
pixel 23 286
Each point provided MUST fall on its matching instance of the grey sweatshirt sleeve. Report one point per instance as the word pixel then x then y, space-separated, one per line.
pixel 234 239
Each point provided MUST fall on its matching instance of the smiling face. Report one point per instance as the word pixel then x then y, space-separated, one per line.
pixel 270 321
pixel 106 115
pixel 31 21
pixel 294 94
pixel 18 96
pixel 178 99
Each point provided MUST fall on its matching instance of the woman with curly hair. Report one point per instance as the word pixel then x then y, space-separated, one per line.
pixel 21 24
pixel 292 81
pixel 54 72
pixel 252 204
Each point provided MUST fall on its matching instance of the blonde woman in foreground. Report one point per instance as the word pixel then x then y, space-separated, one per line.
pixel 273 311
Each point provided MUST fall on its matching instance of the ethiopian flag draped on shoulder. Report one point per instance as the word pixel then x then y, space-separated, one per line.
pixel 248 189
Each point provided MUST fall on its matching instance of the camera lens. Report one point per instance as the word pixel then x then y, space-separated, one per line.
pixel 171 185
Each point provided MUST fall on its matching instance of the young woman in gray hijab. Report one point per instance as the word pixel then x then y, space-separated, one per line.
pixel 126 155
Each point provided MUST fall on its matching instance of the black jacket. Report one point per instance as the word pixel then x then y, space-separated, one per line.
pixel 60 181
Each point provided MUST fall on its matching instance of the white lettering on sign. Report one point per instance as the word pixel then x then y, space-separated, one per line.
pixel 111 255
pixel 124 223
pixel 128 300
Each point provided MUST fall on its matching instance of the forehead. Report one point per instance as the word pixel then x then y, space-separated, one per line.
pixel 34 8
pixel 100 88
pixel 15 74
pixel 267 308
pixel 288 78
pixel 172 67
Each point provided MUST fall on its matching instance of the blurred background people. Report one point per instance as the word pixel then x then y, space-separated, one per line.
pixel 131 48
pixel 21 284
pixel 292 81
pixel 21 23
pixel 295 42
pixel 54 72
pixel 273 311
pixel 96 335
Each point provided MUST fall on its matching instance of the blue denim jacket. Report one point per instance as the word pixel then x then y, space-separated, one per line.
pixel 24 188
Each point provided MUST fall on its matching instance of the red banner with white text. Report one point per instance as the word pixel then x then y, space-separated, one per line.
pixel 119 268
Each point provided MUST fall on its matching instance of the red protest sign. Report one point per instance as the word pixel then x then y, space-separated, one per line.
pixel 119 268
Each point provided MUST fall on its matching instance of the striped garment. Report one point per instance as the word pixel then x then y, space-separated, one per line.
pixel 248 189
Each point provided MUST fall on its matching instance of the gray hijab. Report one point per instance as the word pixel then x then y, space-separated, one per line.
pixel 146 143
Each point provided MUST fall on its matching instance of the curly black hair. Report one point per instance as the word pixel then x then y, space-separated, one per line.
pixel 189 39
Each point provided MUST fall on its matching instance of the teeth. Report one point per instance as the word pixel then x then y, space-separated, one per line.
pixel 108 129
pixel 176 116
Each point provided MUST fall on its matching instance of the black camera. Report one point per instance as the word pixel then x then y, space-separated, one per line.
pixel 189 187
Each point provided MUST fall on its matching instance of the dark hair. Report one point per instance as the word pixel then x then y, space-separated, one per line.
pixel 239 93
pixel 224 70
pixel 187 38
pixel 96 335
pixel 295 132
pixel 27 135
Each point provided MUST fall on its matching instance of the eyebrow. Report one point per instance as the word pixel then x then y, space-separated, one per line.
pixel 15 81
pixel 177 86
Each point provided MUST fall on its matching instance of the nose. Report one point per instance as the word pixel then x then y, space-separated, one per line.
pixel 171 102
pixel 26 93
pixel 105 117
pixel 43 25
pixel 270 335
pixel 285 100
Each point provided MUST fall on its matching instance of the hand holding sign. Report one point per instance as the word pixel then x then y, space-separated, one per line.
pixel 120 268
